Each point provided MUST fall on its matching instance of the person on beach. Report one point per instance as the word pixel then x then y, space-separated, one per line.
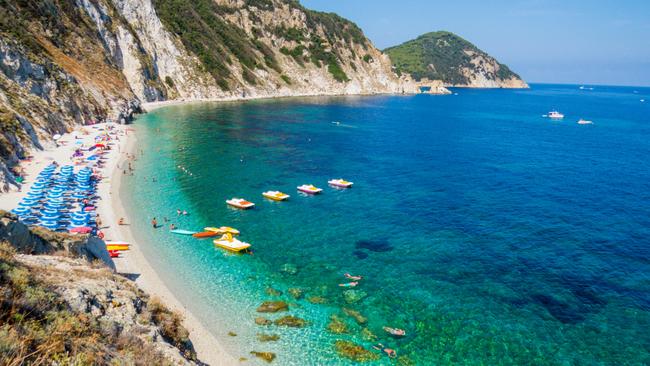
pixel 120 221
pixel 389 351
pixel 154 223
pixel 353 278
pixel 349 284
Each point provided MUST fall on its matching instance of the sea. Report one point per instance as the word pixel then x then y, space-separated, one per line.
pixel 489 233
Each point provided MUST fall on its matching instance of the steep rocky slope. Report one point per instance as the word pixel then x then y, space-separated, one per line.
pixel 69 308
pixel 457 62
pixel 66 62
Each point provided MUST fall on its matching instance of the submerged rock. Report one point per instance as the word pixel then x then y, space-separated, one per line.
pixel 262 321
pixel 291 321
pixel 368 335
pixel 289 268
pixel 354 351
pixel 360 319
pixel 337 325
pixel 377 245
pixel 317 300
pixel 267 337
pixel 272 307
pixel 360 254
pixel 266 356
pixel 296 292
pixel 273 292
pixel 354 296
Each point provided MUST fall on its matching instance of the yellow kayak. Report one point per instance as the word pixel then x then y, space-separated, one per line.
pixel 223 230
pixel 275 195
pixel 117 246
pixel 229 243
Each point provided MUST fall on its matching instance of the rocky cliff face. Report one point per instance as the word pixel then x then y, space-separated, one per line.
pixel 456 62
pixel 67 62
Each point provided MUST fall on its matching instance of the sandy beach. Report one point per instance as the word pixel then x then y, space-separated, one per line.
pixel 133 263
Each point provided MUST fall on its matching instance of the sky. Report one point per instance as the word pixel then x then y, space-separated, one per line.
pixel 551 41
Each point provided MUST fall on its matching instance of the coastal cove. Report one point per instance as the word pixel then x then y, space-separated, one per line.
pixel 488 233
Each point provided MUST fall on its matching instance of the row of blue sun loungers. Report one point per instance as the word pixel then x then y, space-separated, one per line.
pixel 61 201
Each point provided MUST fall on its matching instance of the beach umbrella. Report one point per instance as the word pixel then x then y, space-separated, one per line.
pixel 26 205
pixel 21 210
pixel 56 137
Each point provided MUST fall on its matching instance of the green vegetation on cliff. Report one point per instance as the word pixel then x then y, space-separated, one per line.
pixel 442 56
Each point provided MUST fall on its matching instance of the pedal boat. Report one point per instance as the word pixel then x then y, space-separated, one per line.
pixel 240 203
pixel 275 195
pixel 227 242
pixel 222 230
pixel 340 183
pixel 116 246
pixel 309 189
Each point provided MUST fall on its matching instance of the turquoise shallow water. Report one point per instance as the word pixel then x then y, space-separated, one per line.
pixel 490 234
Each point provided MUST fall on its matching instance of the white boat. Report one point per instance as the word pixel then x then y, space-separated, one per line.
pixel 555 115
pixel 240 203
pixel 584 122
pixel 341 183
pixel 309 189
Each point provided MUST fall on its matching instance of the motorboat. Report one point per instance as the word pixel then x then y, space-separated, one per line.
pixel 240 203
pixel 585 122
pixel 229 243
pixel 275 195
pixel 340 183
pixel 309 189
pixel 555 115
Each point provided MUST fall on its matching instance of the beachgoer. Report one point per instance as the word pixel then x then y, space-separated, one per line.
pixel 349 284
pixel 120 221
pixel 172 227
pixel 395 331
pixel 184 212
pixel 390 352
pixel 354 278
pixel 154 223
pixel 178 211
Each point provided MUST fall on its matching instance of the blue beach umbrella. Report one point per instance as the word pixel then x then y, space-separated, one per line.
pixel 21 210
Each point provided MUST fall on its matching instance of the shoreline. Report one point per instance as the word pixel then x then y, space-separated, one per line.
pixel 134 262
pixel 151 106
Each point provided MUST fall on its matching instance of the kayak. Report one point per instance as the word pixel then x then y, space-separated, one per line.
pixel 223 230
pixel 122 246
pixel 182 232
pixel 205 234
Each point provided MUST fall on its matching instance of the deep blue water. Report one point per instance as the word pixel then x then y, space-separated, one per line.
pixel 490 234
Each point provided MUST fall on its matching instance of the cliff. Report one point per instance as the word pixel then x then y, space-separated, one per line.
pixel 67 62
pixel 456 62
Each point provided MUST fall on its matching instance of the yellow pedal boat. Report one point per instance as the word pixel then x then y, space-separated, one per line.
pixel 223 230
pixel 275 195
pixel 227 242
